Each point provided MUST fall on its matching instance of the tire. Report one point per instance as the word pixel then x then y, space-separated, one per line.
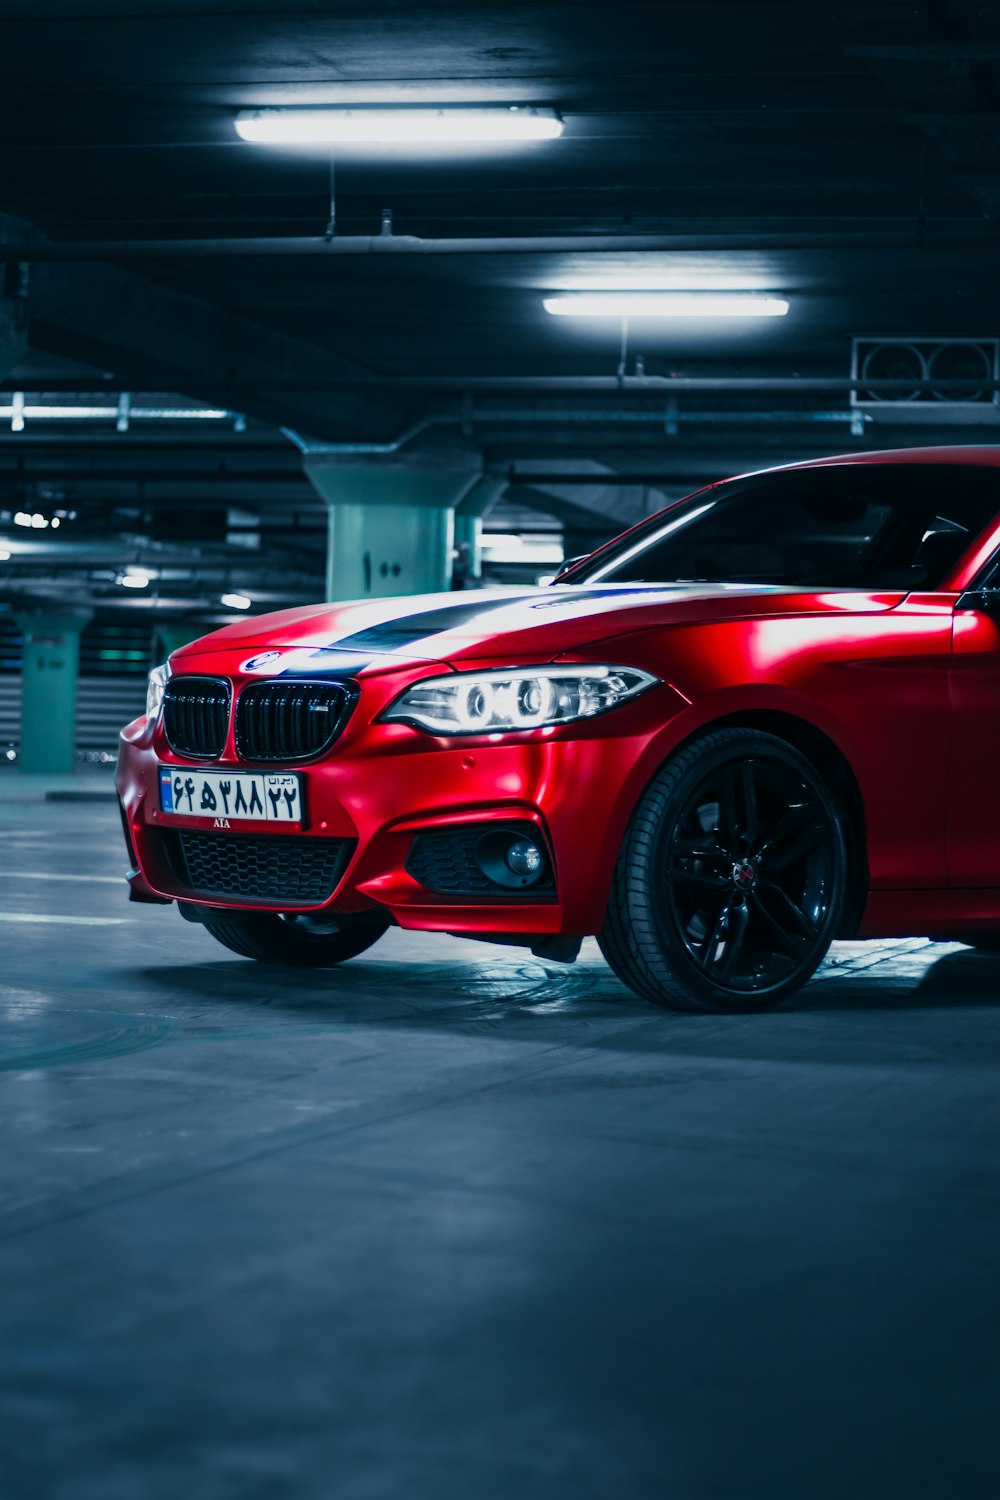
pixel 730 881
pixel 299 942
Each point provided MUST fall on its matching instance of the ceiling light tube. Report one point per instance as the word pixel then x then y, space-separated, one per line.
pixel 665 305
pixel 236 601
pixel 405 126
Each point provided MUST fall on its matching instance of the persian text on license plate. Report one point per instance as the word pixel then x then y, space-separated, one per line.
pixel 265 796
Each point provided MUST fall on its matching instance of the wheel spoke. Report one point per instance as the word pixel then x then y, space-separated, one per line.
pixel 797 834
pixel 748 796
pixel 791 909
pixel 698 880
pixel 728 831
pixel 721 965
pixel 795 939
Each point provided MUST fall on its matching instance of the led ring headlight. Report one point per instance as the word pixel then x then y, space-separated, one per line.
pixel 516 698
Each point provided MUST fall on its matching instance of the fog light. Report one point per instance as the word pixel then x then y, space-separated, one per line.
pixel 524 858
pixel 510 859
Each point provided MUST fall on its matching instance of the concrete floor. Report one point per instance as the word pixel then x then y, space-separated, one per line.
pixel 453 1224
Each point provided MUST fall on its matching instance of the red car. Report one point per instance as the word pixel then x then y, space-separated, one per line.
pixel 764 718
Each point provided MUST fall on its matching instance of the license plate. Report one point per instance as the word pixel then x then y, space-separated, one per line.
pixel 237 796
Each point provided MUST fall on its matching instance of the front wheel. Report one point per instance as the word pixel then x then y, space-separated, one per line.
pixel 730 881
pixel 302 941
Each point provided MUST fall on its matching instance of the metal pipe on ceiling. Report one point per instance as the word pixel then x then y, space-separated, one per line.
pixel 36 251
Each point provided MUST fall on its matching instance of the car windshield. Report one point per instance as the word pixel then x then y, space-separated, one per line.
pixel 891 526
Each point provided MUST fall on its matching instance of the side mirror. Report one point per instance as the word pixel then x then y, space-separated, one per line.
pixel 569 562
pixel 986 601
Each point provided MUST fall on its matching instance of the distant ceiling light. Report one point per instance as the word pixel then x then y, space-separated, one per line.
pixel 504 547
pixel 236 601
pixel 39 522
pixel 405 126
pixel 22 518
pixel 4 555
pixel 17 412
pixel 665 305
pixel 133 579
pixel 55 522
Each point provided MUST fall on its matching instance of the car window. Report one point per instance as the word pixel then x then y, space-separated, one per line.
pixel 862 525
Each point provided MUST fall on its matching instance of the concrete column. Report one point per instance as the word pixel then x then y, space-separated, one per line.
pixel 469 523
pixel 12 335
pixel 170 637
pixel 51 666
pixel 391 524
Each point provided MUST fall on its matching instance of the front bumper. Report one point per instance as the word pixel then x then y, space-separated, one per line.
pixel 383 784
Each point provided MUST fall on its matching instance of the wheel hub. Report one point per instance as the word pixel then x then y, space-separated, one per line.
pixel 744 876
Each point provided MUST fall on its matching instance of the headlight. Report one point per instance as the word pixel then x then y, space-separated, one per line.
pixel 517 698
pixel 155 687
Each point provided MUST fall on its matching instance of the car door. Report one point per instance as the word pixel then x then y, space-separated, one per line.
pixel 973 779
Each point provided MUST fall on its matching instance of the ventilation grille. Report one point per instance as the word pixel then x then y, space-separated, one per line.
pixel 196 715
pixel 245 867
pixel 919 371
pixel 290 720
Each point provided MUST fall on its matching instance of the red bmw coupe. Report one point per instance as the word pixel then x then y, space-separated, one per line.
pixel 764 718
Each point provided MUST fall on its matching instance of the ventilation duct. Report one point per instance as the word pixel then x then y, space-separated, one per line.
pixel 960 373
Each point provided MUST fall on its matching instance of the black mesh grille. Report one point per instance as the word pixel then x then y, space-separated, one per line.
pixel 196 715
pixel 296 871
pixel 290 720
pixel 446 862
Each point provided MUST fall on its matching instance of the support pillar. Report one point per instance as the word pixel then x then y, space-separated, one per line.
pixel 13 344
pixel 469 514
pixel 50 669
pixel 390 524
pixel 170 636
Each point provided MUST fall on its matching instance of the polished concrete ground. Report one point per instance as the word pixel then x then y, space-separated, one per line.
pixel 453 1224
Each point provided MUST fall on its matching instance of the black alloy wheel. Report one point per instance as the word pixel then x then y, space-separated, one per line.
pixel 730 881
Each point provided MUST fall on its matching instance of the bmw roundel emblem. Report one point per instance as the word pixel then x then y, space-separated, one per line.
pixel 261 661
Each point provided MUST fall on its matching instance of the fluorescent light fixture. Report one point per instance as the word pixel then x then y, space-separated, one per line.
pixel 21 411
pixel 133 579
pixel 503 547
pixel 236 601
pixel 665 305
pixel 408 125
pixel 666 279
pixel 4 555
pixel 22 518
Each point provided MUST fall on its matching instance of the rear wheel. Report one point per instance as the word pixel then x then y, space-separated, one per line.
pixel 302 941
pixel 730 881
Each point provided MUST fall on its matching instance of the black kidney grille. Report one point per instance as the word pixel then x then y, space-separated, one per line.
pixel 196 715
pixel 290 720
pixel 248 867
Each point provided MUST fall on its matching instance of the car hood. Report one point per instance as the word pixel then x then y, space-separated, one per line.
pixel 536 624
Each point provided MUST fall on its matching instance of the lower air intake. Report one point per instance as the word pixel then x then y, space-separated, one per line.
pixel 468 861
pixel 246 867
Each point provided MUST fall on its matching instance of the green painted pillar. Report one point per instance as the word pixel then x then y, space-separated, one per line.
pixel 469 514
pixel 390 525
pixel 50 668
pixel 170 637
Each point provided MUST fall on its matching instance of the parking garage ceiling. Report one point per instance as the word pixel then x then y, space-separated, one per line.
pixel 845 157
